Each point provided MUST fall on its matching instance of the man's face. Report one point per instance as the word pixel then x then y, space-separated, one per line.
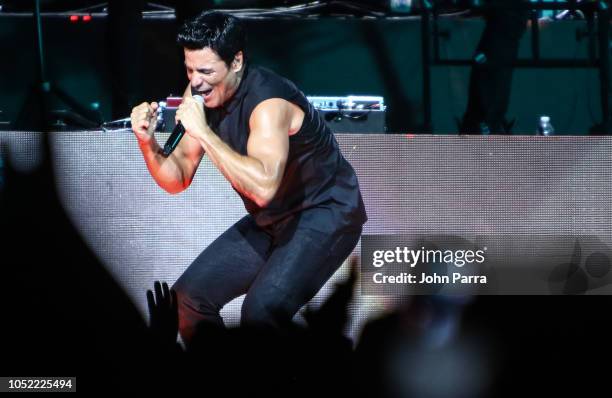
pixel 210 76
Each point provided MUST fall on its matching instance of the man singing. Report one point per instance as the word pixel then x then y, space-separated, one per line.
pixel 305 208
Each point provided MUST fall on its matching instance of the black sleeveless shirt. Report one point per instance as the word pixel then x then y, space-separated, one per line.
pixel 316 174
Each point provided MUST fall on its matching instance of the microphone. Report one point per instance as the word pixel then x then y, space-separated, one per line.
pixel 178 132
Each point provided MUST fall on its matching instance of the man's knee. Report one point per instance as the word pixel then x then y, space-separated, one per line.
pixel 195 295
pixel 178 286
pixel 186 316
pixel 194 309
pixel 266 312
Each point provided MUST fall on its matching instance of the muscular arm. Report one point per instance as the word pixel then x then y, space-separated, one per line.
pixel 174 173
pixel 258 174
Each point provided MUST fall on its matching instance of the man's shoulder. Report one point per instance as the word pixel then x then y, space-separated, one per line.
pixel 265 76
pixel 265 84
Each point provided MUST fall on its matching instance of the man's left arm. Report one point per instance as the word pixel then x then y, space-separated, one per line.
pixel 258 174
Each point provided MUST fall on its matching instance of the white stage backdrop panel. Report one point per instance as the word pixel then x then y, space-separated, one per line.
pixel 444 185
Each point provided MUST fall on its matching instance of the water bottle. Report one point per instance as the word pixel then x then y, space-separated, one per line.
pixel 545 127
pixel 484 129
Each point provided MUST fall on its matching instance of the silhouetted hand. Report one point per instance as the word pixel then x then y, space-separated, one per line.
pixel 163 312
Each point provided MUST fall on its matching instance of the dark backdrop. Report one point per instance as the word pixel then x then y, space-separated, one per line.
pixel 324 57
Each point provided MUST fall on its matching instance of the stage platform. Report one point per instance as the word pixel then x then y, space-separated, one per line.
pixel 515 187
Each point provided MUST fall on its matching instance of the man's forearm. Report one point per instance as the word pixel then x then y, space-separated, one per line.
pixel 247 174
pixel 166 172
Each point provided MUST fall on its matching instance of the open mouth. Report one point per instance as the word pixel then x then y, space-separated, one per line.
pixel 206 93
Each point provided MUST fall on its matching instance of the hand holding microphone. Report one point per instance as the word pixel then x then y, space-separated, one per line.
pixel 190 117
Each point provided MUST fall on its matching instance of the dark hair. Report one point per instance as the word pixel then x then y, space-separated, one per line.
pixel 223 33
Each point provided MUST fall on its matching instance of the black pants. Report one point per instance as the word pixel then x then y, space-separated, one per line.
pixel 279 270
